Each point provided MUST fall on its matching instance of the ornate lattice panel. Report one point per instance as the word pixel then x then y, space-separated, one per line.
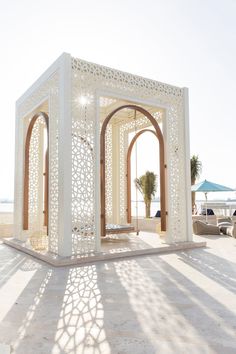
pixel 109 174
pixel 175 132
pixel 83 171
pixel 53 166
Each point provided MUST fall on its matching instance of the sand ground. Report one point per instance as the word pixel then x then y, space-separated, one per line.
pixel 176 303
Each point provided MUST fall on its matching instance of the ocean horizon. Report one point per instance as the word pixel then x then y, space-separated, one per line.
pixel 6 207
pixel 155 206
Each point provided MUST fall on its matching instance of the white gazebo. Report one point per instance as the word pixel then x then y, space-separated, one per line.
pixel 72 172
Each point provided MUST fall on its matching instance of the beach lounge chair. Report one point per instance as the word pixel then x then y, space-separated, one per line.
pixel 229 230
pixel 201 228
pixel 227 221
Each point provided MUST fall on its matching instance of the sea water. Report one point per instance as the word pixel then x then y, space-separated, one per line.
pixel 6 207
pixel 155 206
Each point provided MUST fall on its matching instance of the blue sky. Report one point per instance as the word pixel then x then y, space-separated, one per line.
pixel 188 43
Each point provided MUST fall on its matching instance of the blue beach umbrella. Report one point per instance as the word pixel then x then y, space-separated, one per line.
pixel 207 186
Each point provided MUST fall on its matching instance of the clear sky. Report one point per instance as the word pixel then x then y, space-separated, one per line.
pixel 188 43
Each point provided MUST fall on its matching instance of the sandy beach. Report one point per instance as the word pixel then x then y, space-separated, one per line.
pixel 6 224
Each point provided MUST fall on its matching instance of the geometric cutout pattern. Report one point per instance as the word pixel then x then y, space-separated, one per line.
pixel 109 175
pixel 83 171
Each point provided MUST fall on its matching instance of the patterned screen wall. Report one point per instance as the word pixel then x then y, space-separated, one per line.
pixel 176 171
pixel 46 98
pixel 109 175
pixel 83 169
pixel 88 80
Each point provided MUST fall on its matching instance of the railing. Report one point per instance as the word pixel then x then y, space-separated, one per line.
pixel 221 208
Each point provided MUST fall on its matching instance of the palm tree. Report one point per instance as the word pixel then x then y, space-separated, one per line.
pixel 146 185
pixel 196 169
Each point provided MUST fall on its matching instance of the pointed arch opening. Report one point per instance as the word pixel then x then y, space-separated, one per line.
pixel 27 171
pixel 128 169
pixel 157 131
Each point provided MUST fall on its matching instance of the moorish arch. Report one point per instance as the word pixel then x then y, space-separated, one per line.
pixel 157 131
pixel 26 170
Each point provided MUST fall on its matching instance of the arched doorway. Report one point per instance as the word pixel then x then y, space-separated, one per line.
pixel 26 171
pixel 159 135
pixel 128 169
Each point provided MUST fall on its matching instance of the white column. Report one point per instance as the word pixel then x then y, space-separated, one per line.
pixel 167 238
pixel 97 178
pixel 188 205
pixel 64 152
pixel 168 234
pixel 40 177
pixel 123 218
pixel 115 175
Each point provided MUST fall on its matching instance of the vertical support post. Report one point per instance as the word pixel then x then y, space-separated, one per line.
pixel 64 158
pixel 164 130
pixel 46 187
pixel 40 177
pixel 169 236
pixel 188 205
pixel 124 217
pixel 18 179
pixel 97 178
pixel 115 175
